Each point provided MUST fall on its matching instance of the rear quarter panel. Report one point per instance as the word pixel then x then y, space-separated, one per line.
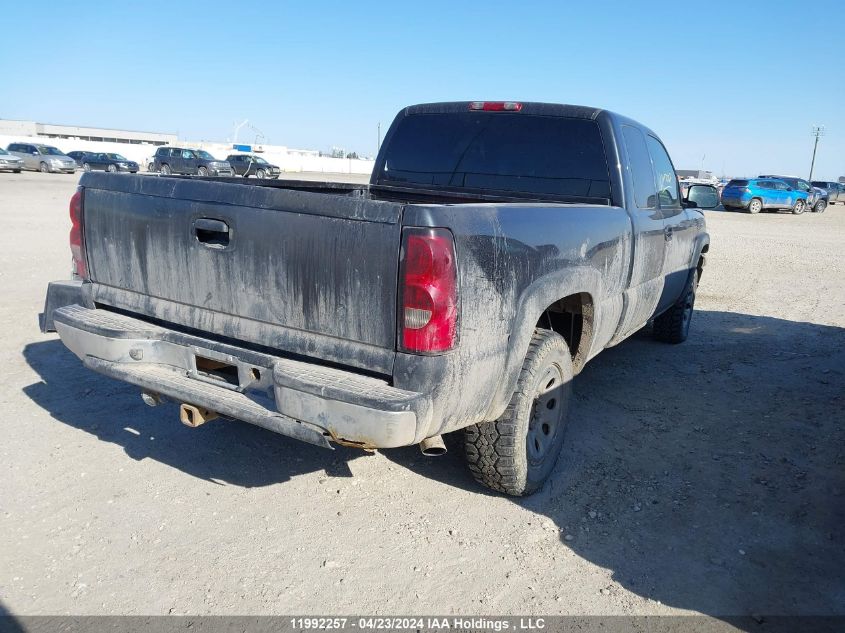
pixel 514 261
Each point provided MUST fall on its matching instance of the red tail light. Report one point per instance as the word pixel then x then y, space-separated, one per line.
pixel 428 294
pixel 496 106
pixel 77 239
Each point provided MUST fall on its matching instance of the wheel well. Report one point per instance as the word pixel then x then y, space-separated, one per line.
pixel 572 318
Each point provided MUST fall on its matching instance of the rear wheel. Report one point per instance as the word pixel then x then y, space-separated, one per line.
pixel 673 325
pixel 165 170
pixel 799 207
pixel 820 207
pixel 203 171
pixel 755 206
pixel 516 453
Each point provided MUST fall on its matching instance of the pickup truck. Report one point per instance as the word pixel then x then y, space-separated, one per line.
pixel 497 249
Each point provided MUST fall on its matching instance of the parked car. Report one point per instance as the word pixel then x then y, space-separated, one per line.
pixel 817 198
pixel 44 158
pixel 497 249
pixel 835 190
pixel 78 156
pixel 10 162
pixel 179 160
pixel 106 162
pixel 760 194
pixel 247 165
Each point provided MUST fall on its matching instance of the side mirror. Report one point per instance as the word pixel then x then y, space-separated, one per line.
pixel 702 197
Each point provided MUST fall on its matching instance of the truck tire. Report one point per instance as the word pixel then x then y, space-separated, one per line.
pixel 755 206
pixel 516 453
pixel 203 171
pixel 673 325
pixel 165 170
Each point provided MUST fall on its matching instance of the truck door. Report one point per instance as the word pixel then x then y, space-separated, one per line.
pixel 678 227
pixel 649 245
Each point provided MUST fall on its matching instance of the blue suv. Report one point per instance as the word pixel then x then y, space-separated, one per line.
pixel 757 194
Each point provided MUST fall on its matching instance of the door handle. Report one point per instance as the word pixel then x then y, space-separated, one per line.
pixel 212 233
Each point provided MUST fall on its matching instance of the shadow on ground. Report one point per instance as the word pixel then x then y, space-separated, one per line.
pixel 232 452
pixel 708 476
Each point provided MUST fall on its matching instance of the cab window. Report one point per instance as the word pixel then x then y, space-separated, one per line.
pixel 645 191
pixel 667 182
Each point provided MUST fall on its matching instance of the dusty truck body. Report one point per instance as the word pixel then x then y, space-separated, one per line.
pixel 497 249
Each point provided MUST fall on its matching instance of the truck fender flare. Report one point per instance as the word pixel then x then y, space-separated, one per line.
pixel 534 301
pixel 701 245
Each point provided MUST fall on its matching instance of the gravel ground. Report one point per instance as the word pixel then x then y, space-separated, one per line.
pixel 700 478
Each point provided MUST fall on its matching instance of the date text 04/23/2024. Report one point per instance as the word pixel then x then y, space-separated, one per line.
pixel 455 623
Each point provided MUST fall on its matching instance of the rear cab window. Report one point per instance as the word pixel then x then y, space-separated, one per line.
pixel 505 153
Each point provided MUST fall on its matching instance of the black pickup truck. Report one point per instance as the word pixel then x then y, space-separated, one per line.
pixel 498 248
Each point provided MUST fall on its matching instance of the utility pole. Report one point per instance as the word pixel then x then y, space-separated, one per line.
pixel 818 130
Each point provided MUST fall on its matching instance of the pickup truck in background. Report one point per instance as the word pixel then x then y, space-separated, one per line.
pixel 498 248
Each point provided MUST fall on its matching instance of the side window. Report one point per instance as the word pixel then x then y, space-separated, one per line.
pixel 667 182
pixel 187 153
pixel 645 191
pixel 762 184
pixel 780 186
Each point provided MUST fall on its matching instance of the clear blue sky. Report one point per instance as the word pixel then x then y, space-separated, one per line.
pixel 738 83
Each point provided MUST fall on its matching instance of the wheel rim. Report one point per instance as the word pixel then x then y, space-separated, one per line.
pixel 203 171
pixel 260 173
pixel 544 423
pixel 755 206
pixel 43 168
pixel 799 207
pixel 112 168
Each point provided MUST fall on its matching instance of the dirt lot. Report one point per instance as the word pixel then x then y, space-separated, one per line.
pixel 707 477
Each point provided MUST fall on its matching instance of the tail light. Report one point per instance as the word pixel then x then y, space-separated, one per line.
pixel 77 239
pixel 428 293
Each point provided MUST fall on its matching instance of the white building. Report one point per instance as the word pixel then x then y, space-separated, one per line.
pixel 76 132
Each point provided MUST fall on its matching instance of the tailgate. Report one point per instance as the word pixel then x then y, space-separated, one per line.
pixel 310 273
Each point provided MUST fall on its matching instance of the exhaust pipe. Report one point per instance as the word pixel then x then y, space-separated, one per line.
pixel 193 416
pixel 433 446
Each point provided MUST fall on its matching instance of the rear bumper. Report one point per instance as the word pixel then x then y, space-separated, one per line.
pixel 302 400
